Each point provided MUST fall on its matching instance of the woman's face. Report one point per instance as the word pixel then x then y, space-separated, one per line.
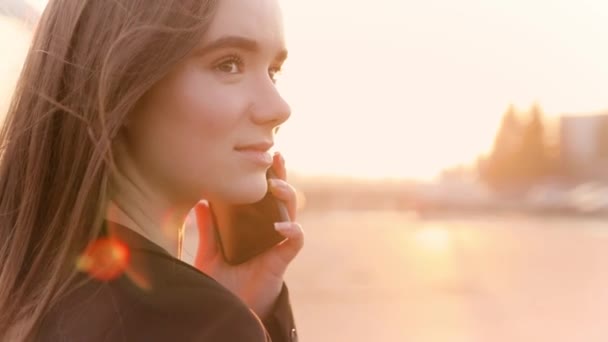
pixel 204 130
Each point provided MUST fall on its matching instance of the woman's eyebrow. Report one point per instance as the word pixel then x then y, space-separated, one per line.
pixel 239 42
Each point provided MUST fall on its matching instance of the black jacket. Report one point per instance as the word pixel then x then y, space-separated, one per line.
pixel 161 298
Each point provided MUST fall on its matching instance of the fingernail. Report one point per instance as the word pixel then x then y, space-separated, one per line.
pixel 282 225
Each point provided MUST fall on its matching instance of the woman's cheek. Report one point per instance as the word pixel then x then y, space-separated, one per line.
pixel 221 111
pixel 212 104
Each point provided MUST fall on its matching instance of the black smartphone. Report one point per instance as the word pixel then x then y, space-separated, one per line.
pixel 245 231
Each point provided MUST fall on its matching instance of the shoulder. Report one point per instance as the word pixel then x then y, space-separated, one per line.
pixel 160 300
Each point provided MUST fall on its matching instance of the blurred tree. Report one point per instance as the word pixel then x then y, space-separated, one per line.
pixel 501 169
pixel 533 153
pixel 521 156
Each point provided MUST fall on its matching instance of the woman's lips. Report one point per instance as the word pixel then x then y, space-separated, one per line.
pixel 257 152
pixel 262 158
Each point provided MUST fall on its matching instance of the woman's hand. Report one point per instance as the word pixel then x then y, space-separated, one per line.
pixel 257 282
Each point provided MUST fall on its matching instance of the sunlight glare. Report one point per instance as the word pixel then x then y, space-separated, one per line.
pixel 429 251
pixel 435 240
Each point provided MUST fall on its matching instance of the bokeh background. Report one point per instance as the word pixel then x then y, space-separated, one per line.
pixel 452 163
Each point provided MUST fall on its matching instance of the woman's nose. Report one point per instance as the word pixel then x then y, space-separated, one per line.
pixel 269 107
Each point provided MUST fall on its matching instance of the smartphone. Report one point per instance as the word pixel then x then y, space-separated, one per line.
pixel 245 231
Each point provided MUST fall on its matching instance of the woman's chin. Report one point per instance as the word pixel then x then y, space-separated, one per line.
pixel 247 192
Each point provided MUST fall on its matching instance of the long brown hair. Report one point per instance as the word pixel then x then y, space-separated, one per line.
pixel 89 63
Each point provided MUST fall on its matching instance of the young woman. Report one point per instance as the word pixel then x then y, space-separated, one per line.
pixel 129 114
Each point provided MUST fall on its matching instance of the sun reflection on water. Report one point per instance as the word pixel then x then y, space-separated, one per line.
pixel 431 252
pixel 433 239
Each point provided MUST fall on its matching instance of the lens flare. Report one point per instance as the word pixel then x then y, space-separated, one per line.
pixel 104 259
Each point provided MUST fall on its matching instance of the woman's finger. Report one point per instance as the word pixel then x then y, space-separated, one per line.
pixel 286 193
pixel 278 166
pixel 289 248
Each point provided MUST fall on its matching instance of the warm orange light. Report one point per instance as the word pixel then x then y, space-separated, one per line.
pixel 104 259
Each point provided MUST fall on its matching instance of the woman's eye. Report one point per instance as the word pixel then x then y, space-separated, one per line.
pixel 231 66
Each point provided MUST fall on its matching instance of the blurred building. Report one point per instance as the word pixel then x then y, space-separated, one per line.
pixel 584 146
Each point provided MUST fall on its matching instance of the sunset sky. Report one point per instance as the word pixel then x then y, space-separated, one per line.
pixel 404 88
